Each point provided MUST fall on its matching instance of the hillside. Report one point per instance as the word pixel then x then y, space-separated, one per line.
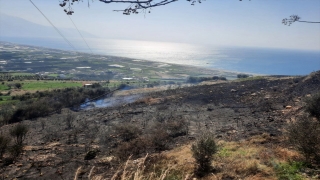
pixel 13 27
pixel 247 118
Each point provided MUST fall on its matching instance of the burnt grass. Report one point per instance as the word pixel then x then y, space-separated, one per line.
pixel 56 146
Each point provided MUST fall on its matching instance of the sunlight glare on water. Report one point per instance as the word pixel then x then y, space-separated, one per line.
pixel 241 59
pixel 178 53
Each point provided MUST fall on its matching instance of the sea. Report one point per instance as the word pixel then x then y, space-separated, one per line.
pixel 266 61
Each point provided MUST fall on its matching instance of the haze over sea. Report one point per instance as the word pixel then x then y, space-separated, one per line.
pixel 241 59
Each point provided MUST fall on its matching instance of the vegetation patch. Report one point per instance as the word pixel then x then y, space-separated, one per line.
pixel 288 170
pixel 48 85
pixel 203 150
pixel 42 103
pixel 251 78
pixel 4 86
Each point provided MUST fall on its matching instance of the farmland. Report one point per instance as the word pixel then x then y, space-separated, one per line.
pixel 29 62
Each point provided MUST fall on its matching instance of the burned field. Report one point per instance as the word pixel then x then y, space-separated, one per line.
pixel 100 140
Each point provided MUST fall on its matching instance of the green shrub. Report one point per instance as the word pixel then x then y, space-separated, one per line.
pixel 288 171
pixel 304 135
pixel 192 79
pixel 203 150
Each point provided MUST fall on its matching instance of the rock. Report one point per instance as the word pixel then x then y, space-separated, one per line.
pixel 233 90
pixel 191 137
pixel 271 119
pixel 267 97
pixel 288 107
pixel 219 136
pixel 90 155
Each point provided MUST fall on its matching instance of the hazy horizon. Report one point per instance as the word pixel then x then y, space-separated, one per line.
pixel 265 61
pixel 234 23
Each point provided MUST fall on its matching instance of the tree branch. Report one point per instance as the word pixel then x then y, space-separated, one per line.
pixel 309 21
pixel 295 18
pixel 134 5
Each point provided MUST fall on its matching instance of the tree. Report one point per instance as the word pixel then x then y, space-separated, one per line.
pixel 144 6
pixel 295 18
pixel 17 85
pixel 134 7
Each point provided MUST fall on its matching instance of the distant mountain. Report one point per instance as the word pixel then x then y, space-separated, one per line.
pixel 11 26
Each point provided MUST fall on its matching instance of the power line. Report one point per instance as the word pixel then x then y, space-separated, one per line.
pixel 80 33
pixel 309 21
pixel 54 27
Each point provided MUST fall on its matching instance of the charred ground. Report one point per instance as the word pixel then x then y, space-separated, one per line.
pixel 56 146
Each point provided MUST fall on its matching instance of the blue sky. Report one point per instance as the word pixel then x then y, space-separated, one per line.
pixel 255 23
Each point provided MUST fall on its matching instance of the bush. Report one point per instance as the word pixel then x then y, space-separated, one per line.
pixel 15 151
pixel 192 79
pixel 160 139
pixel 5 114
pixel 4 142
pixel 127 132
pixel 313 106
pixel 288 170
pixel 19 132
pixel 242 76
pixel 304 135
pixel 41 104
pixel 178 127
pixel 134 148
pixel 69 120
pixel 17 85
pixel 203 151
pixel 37 109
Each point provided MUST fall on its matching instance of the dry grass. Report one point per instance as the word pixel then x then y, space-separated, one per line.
pixel 282 154
pixel 139 171
pixel 247 159
pixel 250 159
pixel 181 158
